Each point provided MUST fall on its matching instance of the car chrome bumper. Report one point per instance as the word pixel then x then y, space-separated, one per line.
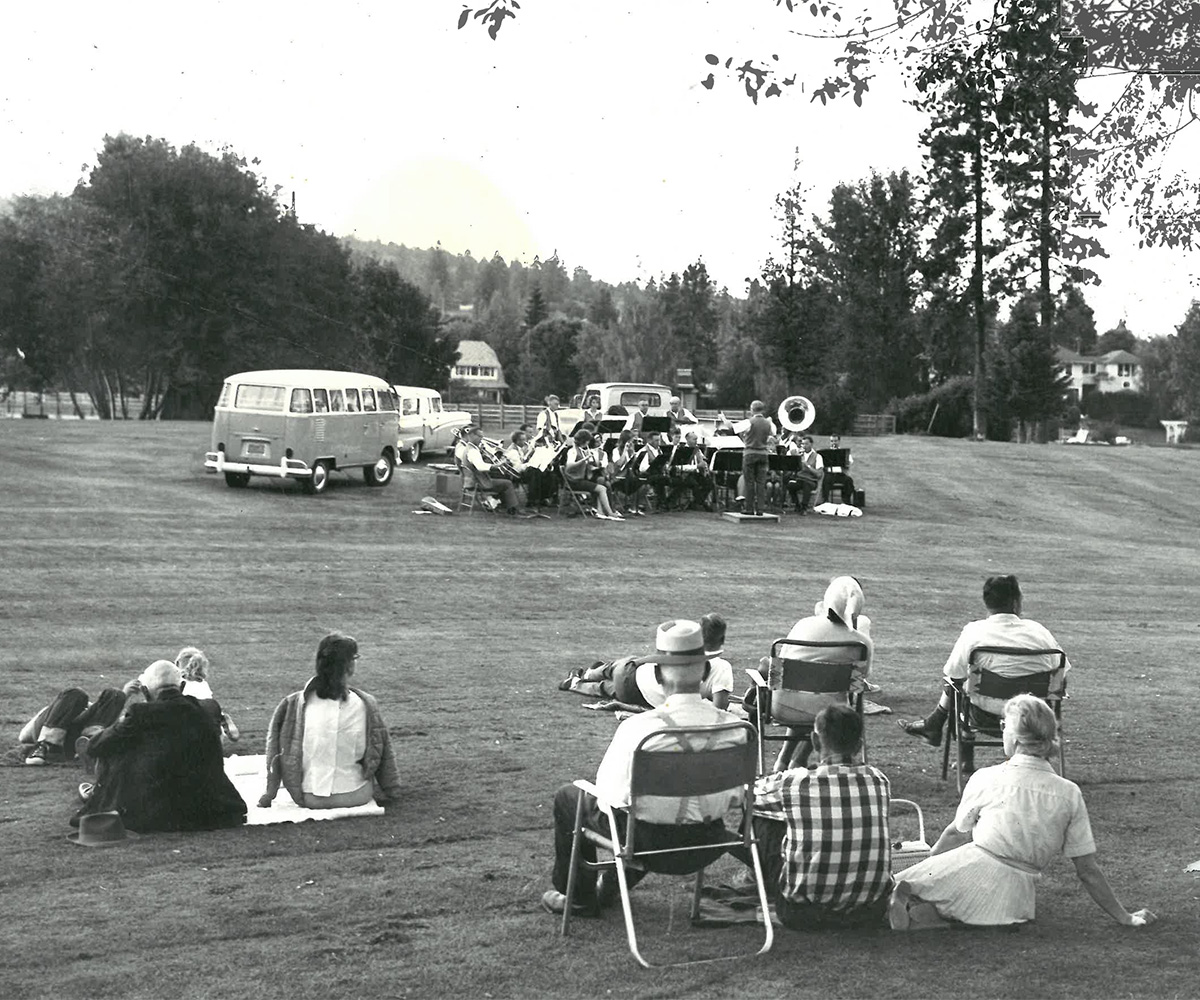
pixel 287 468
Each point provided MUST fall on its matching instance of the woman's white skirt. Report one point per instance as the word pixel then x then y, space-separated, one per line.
pixel 974 887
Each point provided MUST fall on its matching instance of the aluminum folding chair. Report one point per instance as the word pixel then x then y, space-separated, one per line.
pixel 969 720
pixel 678 763
pixel 796 690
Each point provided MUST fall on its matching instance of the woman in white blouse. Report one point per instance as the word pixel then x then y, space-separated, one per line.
pixel 1012 821
pixel 328 744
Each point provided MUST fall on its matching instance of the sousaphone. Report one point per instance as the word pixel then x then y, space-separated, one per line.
pixel 796 414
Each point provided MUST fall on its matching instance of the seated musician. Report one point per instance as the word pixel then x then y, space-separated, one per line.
pixel 812 470
pixel 485 475
pixel 679 414
pixel 651 466
pixel 697 474
pixel 837 475
pixel 518 453
pixel 624 478
pixel 585 470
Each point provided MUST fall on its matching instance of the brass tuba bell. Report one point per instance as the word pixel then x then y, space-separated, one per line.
pixel 796 413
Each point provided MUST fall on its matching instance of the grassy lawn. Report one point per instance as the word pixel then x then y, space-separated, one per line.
pixel 118 549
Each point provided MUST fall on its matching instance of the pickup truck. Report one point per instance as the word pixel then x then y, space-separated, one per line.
pixel 424 424
pixel 628 395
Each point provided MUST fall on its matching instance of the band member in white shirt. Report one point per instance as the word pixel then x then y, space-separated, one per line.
pixel 518 454
pixel 651 467
pixel 486 474
pixel 625 480
pixel 679 414
pixel 548 430
pixel 839 476
pixel 638 415
pixel 584 468
pixel 808 479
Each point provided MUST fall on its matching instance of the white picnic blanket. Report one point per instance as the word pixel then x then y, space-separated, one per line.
pixel 248 773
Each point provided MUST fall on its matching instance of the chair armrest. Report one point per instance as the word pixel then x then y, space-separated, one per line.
pixel 756 678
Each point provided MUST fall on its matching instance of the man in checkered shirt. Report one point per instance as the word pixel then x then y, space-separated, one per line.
pixel 824 832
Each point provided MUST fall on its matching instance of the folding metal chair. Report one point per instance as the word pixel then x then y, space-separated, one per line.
pixel 969 720
pixel 469 497
pixel 677 763
pixel 797 689
pixel 582 500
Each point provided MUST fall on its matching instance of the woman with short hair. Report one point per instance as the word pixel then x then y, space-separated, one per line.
pixel 327 744
pixel 1013 820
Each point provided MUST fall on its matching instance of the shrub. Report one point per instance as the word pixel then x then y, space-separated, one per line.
pixel 953 400
pixel 1131 408
pixel 1103 430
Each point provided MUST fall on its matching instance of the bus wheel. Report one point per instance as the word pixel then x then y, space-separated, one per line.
pixel 237 479
pixel 379 474
pixel 414 451
pixel 319 479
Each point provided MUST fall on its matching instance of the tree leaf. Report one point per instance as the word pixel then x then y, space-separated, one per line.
pixel 711 59
pixel 464 16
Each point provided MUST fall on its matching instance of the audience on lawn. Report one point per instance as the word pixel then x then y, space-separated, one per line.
pixel 1004 626
pixel 680 666
pixel 60 730
pixel 631 681
pixel 823 833
pixel 160 764
pixel 836 617
pixel 327 743
pixel 1012 821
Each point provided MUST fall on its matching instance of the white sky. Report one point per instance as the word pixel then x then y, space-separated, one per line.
pixel 582 129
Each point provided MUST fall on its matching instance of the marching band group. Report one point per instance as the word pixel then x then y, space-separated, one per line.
pixel 633 473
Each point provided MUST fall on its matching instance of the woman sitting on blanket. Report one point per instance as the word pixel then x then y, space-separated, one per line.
pixel 328 744
pixel 1013 820
pixel 632 683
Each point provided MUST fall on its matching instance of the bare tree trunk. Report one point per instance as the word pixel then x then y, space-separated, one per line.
pixel 110 413
pixel 151 384
pixel 75 404
pixel 978 418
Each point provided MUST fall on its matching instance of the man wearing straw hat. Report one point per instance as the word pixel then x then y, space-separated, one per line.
pixel 160 765
pixel 680 668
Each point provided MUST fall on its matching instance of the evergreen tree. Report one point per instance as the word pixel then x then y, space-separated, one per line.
pixel 1025 383
pixel 1074 323
pixel 535 310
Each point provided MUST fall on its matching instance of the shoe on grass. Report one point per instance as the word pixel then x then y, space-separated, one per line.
pixel 46 753
pixel 918 728
pixel 554 901
pixel 608 890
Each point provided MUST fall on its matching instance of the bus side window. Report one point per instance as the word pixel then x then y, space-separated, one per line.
pixel 335 401
pixel 388 400
pixel 435 406
pixel 368 400
pixel 351 400
pixel 409 407
pixel 322 401
pixel 301 401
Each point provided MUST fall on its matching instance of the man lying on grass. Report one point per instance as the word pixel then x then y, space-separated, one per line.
pixel 823 833
pixel 680 668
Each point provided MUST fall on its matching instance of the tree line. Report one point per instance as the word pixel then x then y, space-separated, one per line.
pixel 167 269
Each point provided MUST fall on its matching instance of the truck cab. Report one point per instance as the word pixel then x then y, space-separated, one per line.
pixel 425 425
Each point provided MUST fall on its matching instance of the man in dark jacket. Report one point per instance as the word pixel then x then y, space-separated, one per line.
pixel 160 765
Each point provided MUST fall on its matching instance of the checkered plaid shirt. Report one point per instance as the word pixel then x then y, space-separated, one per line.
pixel 837 850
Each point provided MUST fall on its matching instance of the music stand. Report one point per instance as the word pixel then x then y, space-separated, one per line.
pixel 726 467
pixel 655 425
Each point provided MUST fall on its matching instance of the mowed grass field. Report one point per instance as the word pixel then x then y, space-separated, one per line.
pixel 118 549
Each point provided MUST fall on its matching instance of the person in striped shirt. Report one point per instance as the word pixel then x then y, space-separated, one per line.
pixel 823 832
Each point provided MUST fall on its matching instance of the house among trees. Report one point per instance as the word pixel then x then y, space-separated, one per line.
pixel 1116 371
pixel 477 374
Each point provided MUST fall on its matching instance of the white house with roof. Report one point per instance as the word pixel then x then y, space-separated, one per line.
pixel 1116 371
pixel 477 374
